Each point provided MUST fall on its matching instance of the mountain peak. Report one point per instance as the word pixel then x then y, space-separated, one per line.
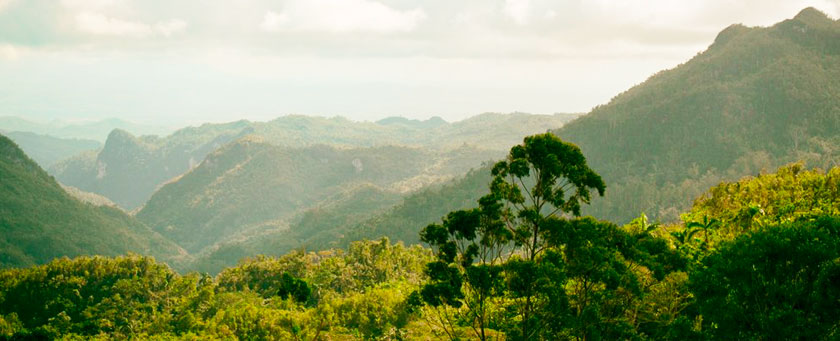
pixel 812 15
pixel 730 32
pixel 119 135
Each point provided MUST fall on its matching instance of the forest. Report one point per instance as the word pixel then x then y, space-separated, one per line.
pixel 754 259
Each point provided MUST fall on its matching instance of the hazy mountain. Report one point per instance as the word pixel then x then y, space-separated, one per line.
pixel 89 130
pixel 324 224
pixel 39 221
pixel 663 143
pixel 756 99
pixel 129 169
pixel 363 212
pixel 47 150
pixel 88 197
pixel 250 186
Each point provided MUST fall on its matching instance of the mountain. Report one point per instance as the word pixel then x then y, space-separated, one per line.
pixel 129 169
pixel 364 212
pixel 250 186
pixel 756 99
pixel 39 221
pixel 312 229
pixel 47 150
pixel 90 130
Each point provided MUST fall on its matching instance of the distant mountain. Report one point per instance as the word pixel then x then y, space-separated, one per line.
pixel 47 150
pixel 39 221
pixel 92 130
pixel 397 120
pixel 88 197
pixel 324 224
pixel 756 99
pixel 364 212
pixel 129 169
pixel 250 186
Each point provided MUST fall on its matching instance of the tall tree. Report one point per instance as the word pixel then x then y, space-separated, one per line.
pixel 541 181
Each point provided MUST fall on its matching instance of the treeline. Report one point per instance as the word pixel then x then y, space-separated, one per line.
pixel 754 259
pixel 335 295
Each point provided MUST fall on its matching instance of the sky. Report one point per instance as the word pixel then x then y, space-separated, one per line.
pixel 190 61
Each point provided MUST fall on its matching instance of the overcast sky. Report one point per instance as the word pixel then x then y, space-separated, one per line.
pixel 175 62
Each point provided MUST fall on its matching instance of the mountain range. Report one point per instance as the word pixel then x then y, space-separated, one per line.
pixel 757 98
pixel 129 169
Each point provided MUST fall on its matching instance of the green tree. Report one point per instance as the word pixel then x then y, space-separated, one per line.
pixel 776 283
pixel 541 181
pixel 469 246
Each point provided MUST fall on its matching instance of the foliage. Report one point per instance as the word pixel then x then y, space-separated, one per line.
pixel 359 293
pixel 778 282
pixel 792 193
pixel 518 264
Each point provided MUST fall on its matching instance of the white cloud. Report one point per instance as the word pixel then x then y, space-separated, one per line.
pixel 9 52
pixel 171 27
pixel 89 4
pixel 273 21
pixel 341 16
pixel 100 24
pixel 518 10
pixel 5 3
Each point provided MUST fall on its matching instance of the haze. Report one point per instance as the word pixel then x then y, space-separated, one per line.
pixel 189 62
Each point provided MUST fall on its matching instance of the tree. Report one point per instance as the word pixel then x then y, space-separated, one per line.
pixel 776 283
pixel 293 287
pixel 556 181
pixel 469 246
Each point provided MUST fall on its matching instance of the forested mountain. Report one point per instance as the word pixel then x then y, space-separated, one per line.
pixel 756 99
pixel 47 150
pixel 129 169
pixel 250 186
pixel 39 221
pixel 365 212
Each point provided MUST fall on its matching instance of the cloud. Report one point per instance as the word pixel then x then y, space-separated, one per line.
pixel 273 21
pixel 341 16
pixel 100 24
pixel 518 10
pixel 90 4
pixel 5 3
pixel 10 52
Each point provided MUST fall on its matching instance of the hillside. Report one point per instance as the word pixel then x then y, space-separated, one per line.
pixel 250 186
pixel 129 169
pixel 39 221
pixel 757 98
pixel 47 150
pixel 363 212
